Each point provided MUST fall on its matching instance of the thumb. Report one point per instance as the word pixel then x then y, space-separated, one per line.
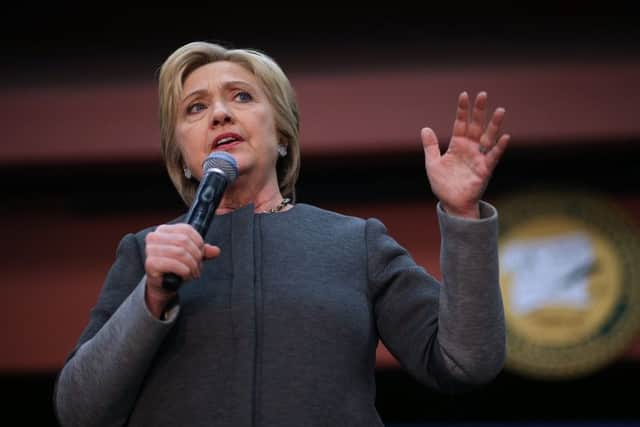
pixel 210 251
pixel 430 145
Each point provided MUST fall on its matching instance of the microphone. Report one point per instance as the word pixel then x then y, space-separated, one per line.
pixel 220 169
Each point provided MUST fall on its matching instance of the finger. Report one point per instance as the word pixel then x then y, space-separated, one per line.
pixel 157 266
pixel 179 246
pixel 182 228
pixel 185 237
pixel 462 115
pixel 190 259
pixel 488 138
pixel 211 251
pixel 430 145
pixel 478 117
pixel 493 156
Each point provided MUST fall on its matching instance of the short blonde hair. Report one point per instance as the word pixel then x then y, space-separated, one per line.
pixel 275 83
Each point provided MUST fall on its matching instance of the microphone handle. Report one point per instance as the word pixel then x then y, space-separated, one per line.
pixel 171 281
pixel 207 199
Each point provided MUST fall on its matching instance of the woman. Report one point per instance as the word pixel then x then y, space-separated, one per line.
pixel 282 304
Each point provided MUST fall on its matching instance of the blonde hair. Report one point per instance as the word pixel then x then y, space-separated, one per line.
pixel 275 83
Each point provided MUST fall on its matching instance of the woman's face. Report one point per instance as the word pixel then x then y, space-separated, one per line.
pixel 223 108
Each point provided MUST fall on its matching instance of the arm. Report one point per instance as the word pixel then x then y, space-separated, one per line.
pixel 471 315
pixel 454 333
pixel 450 336
pixel 99 383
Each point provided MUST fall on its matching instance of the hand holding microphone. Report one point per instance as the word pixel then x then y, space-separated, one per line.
pixel 175 252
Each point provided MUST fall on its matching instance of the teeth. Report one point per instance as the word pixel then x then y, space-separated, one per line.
pixel 225 140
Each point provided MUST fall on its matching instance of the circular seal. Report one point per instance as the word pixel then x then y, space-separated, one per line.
pixel 570 280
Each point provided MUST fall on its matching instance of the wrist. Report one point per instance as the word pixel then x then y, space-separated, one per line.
pixel 159 301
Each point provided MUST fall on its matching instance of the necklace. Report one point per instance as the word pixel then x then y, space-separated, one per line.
pixel 281 206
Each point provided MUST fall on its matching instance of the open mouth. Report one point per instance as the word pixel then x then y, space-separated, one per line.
pixel 226 140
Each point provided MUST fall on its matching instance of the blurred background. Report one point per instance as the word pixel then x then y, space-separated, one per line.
pixel 80 166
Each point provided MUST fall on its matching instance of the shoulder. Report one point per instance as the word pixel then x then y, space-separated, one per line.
pixel 315 213
pixel 338 222
pixel 368 228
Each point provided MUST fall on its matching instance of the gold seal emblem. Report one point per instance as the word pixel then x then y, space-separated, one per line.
pixel 570 280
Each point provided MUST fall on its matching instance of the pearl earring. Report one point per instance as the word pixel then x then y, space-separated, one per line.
pixel 282 150
pixel 187 173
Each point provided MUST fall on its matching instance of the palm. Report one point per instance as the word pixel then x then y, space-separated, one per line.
pixel 460 176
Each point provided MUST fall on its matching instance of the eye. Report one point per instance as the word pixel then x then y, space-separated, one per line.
pixel 195 108
pixel 243 97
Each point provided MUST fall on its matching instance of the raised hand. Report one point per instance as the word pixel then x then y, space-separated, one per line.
pixel 459 176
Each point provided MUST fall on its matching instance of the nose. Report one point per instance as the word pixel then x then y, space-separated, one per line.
pixel 221 114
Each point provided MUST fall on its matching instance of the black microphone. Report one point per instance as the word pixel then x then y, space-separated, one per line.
pixel 220 169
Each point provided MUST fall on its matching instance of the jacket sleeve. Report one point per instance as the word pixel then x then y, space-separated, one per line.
pixel 101 378
pixel 449 335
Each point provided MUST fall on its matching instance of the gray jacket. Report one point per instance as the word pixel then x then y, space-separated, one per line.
pixel 281 329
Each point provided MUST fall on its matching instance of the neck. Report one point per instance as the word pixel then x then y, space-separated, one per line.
pixel 239 194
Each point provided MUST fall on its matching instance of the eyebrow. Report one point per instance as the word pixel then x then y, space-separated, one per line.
pixel 225 85
pixel 198 92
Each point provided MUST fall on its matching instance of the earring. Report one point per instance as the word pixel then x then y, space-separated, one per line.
pixel 282 150
pixel 187 173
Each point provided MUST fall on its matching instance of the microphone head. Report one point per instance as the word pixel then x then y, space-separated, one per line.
pixel 224 162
